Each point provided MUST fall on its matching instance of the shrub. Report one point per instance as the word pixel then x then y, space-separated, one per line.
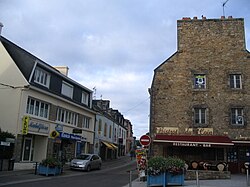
pixel 51 162
pixel 157 165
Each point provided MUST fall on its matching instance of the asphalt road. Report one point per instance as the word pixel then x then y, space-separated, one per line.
pixel 107 177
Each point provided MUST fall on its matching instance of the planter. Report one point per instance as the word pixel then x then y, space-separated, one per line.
pixel 157 180
pixel 46 170
pixel 174 179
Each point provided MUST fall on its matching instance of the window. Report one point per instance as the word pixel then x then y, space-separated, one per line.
pixel 37 108
pixel 237 116
pixel 85 98
pixel 199 81
pixel 200 115
pixel 235 81
pixel 105 129
pixel 66 116
pixel 100 126
pixel 110 131
pixel 85 122
pixel 41 77
pixel 67 89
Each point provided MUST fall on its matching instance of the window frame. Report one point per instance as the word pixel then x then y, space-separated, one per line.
pixel 67 89
pixel 233 81
pixel 200 116
pixel 42 77
pixel 235 113
pixel 37 108
pixel 85 98
pixel 199 86
pixel 66 116
pixel 86 122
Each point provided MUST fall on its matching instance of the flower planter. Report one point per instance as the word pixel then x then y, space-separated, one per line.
pixel 174 179
pixel 46 170
pixel 157 180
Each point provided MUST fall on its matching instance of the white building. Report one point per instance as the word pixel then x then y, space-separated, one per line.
pixel 49 113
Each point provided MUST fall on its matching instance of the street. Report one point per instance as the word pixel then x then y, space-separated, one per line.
pixel 108 177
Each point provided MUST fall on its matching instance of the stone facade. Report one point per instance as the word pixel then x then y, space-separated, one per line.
pixel 215 49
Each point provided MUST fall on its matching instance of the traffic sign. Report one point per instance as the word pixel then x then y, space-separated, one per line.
pixel 145 140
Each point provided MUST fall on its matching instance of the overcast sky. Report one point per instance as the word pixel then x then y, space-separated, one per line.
pixel 112 45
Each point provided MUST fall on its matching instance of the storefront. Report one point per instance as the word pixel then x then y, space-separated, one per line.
pixel 199 152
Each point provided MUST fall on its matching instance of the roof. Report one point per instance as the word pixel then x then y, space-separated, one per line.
pixel 214 140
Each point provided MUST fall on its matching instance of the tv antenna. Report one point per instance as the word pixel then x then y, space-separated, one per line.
pixel 223 5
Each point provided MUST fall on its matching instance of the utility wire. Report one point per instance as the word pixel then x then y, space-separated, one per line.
pixel 137 105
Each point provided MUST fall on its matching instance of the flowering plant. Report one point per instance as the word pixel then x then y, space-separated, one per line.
pixel 175 165
pixel 51 162
pixel 157 165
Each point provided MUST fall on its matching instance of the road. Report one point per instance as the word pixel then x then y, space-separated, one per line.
pixel 107 177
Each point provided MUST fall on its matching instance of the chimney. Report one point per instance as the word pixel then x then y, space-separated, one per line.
pixel 63 69
pixel 1 26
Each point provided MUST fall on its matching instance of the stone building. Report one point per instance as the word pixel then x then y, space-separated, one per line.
pixel 200 96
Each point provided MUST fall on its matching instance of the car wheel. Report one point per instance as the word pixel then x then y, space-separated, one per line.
pixel 88 168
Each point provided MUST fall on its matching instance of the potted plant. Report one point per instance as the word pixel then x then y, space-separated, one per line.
pixel 175 171
pixel 50 166
pixel 156 172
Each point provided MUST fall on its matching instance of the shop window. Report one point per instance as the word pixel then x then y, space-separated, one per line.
pixel 237 116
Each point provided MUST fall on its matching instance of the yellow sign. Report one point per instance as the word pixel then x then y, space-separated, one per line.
pixel 167 130
pixel 54 134
pixel 205 131
pixel 25 124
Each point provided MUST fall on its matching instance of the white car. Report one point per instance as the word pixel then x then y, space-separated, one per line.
pixel 86 162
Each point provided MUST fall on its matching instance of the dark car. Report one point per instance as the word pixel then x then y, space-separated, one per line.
pixel 86 162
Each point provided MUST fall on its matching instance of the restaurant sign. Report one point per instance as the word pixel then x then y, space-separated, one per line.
pixel 191 144
pixel 167 130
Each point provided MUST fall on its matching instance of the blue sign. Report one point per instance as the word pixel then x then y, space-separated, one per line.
pixel 70 136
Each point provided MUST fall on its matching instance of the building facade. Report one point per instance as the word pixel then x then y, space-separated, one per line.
pixel 110 131
pixel 49 113
pixel 200 96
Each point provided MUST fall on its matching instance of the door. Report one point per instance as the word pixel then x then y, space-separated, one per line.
pixel 27 149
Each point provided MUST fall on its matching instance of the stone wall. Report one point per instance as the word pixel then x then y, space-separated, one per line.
pixel 204 175
pixel 215 48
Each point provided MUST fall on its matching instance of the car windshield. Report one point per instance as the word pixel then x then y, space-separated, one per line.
pixel 83 157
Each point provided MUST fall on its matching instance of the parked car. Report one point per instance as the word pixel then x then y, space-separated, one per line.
pixel 86 162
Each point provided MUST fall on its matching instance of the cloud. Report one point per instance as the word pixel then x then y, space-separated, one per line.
pixel 108 44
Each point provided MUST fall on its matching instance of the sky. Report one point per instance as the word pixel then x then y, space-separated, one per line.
pixel 110 45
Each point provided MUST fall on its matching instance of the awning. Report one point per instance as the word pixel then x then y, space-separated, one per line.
pixel 114 146
pixel 108 145
pixel 193 141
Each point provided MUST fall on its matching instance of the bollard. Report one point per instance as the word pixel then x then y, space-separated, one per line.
pixel 36 168
pixel 130 178
pixel 197 179
pixel 247 177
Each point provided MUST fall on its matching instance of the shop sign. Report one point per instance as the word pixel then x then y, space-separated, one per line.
pixel 39 127
pixel 187 144
pixel 167 130
pixel 25 125
pixel 59 127
pixel 205 131
pixel 5 143
pixel 70 136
